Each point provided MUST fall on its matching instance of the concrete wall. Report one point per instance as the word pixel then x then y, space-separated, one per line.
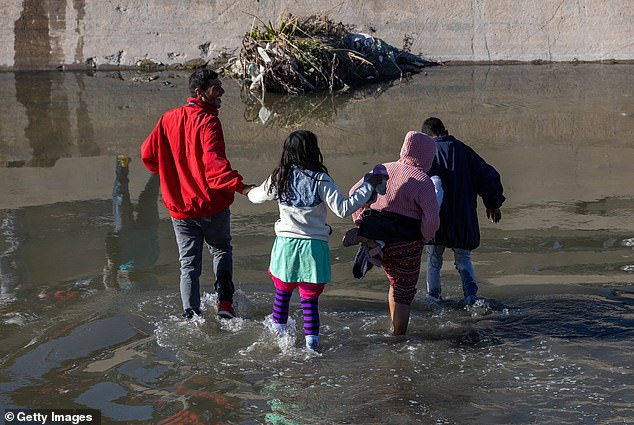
pixel 43 34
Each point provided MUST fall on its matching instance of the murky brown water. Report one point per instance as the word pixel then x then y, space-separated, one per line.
pixel 80 329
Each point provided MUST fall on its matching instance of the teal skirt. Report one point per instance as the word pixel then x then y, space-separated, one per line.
pixel 300 260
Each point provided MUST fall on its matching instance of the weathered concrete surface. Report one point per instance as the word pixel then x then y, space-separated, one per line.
pixel 100 33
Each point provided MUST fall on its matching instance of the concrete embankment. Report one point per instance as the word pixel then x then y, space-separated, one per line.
pixel 49 34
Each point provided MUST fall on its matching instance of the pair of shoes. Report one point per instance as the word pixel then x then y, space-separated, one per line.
pixel 361 265
pixel 312 342
pixel 225 309
pixel 191 312
pixel 471 299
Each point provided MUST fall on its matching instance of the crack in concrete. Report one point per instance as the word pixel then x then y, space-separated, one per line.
pixel 473 28
pixel 548 22
pixel 476 7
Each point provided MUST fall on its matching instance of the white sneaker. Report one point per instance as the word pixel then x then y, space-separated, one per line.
pixel 278 328
pixel 311 342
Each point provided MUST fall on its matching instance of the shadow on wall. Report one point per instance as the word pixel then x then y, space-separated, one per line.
pixel 38 32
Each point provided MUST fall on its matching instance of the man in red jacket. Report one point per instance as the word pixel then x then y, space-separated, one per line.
pixel 187 150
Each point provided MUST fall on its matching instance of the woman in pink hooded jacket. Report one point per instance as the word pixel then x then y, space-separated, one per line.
pixel 404 218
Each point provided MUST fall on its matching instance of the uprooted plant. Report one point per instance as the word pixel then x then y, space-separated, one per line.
pixel 314 54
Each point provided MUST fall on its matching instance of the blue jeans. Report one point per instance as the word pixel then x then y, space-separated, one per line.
pixel 190 234
pixel 463 264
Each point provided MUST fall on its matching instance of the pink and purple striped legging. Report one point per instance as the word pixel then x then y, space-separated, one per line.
pixel 309 296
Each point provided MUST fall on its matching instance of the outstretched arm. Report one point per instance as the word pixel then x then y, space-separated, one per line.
pixel 260 194
pixel 342 205
pixel 488 183
pixel 218 171
pixel 247 188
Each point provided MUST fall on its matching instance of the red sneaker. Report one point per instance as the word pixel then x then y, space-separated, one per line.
pixel 225 309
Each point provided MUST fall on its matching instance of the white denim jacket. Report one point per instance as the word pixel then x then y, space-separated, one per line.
pixel 303 214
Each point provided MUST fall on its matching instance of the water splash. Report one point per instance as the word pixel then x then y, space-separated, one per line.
pixel 628 242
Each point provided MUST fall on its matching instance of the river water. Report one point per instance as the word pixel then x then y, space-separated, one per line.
pixel 89 304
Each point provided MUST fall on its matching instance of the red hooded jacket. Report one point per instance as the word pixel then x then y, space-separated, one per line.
pixel 187 150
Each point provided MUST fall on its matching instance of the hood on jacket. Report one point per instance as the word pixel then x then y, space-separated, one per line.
pixel 418 150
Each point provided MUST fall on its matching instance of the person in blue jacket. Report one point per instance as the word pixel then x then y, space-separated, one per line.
pixel 464 176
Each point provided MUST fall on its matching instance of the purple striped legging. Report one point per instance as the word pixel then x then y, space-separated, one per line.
pixel 309 296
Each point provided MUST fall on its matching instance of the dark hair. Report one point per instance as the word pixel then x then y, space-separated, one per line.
pixel 300 150
pixel 434 127
pixel 201 79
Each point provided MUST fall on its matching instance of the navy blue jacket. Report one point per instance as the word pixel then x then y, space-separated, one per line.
pixel 464 175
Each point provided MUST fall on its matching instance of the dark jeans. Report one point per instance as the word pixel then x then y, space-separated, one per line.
pixel 190 234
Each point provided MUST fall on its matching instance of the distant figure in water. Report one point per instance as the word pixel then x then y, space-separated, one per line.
pixel 300 257
pixel 403 219
pixel 464 175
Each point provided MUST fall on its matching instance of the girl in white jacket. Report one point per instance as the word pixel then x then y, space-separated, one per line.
pixel 300 257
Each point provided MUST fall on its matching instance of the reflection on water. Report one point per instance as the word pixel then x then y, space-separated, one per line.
pixel 133 245
pixel 89 304
pixel 278 110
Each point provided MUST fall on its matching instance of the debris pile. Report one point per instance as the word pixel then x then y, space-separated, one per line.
pixel 315 54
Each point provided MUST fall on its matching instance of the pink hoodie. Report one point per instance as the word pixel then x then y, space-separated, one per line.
pixel 410 191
